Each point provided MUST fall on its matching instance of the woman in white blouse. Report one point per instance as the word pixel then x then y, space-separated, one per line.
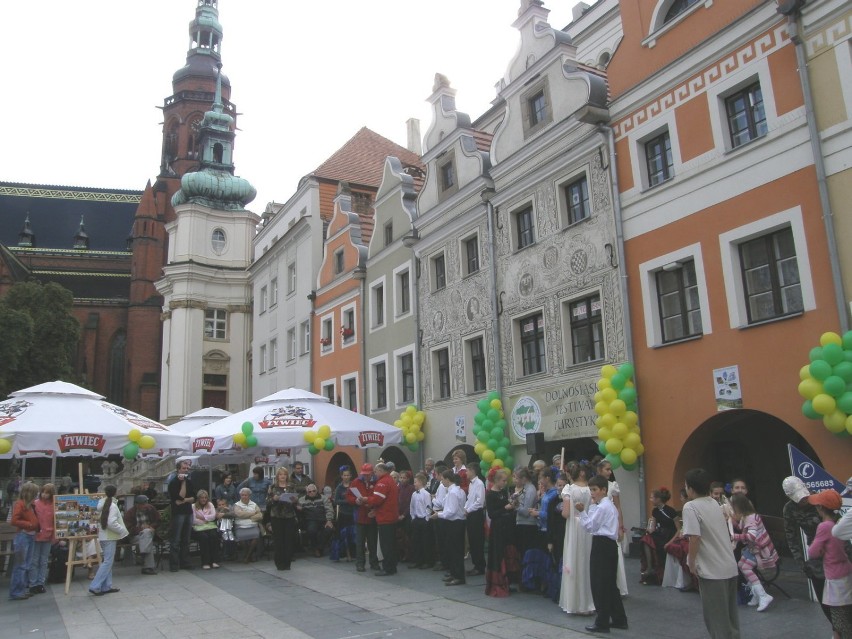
pixel 247 516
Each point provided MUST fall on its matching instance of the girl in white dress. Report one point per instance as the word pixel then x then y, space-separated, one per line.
pixel 576 594
pixel 605 469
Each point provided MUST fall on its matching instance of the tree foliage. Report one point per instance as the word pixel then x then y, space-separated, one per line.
pixel 39 336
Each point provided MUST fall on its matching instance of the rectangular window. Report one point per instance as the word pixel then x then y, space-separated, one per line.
pixel 532 344
pixel 771 276
pixel 273 354
pixel 586 329
pixel 404 292
pixel 406 368
pixel 261 365
pixel 538 109
pixel 678 301
pixel 326 338
pixel 306 337
pixel 348 328
pixel 379 305
pixel 291 344
pixel 328 391
pixel 264 297
pixel 471 249
pixel 273 292
pixel 439 272
pixel 388 233
pixel 441 362
pixel 380 377
pixel 291 278
pixel 658 158
pixel 351 389
pixel 338 262
pixel 577 200
pixel 524 227
pixel 448 176
pixel 477 364
pixel 746 116
pixel 215 323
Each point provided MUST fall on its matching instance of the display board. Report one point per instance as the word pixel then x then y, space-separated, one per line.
pixel 76 515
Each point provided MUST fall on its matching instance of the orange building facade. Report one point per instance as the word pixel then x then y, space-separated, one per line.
pixel 727 257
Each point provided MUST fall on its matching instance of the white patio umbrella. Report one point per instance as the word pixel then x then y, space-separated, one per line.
pixel 280 420
pixel 61 419
pixel 199 418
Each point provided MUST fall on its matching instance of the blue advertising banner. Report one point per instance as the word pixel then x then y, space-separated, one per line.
pixel 816 477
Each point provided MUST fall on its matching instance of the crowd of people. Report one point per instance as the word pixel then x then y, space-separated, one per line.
pixel 556 530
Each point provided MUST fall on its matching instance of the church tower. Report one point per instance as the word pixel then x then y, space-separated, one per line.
pixel 193 91
pixel 205 285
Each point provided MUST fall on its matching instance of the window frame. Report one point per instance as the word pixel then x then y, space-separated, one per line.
pixel 403 372
pixel 377 389
pixel 388 232
pixel 441 373
pixel 541 86
pixel 262 360
pixel 216 320
pixel 773 265
pixel 292 344
pixel 402 295
pixel 349 385
pixel 573 326
pixel 565 186
pixel 305 336
pixel 682 291
pixel 667 169
pixel 339 262
pixel 464 249
pixel 325 386
pixel 327 333
pixel 264 299
pixel 348 320
pixel 273 354
pixel 292 278
pixel 273 292
pixel 447 167
pixel 438 271
pixel 471 364
pixel 518 231
pixel 521 340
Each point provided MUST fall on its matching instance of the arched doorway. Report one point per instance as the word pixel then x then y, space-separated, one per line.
pixel 749 444
pixel 468 450
pixel 332 471
pixel 395 455
pixel 575 450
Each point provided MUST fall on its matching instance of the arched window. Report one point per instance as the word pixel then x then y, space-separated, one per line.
pixel 676 8
pixel 217 153
pixel 194 136
pixel 117 357
pixel 170 143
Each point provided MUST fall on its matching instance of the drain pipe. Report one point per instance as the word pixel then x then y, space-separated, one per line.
pixel 609 139
pixel 495 316
pixel 793 12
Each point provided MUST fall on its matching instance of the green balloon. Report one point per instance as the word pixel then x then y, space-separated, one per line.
pixel 808 410
pixel 483 404
pixel 627 395
pixel 815 354
pixel 484 466
pixel 630 466
pixel 834 385
pixel 847 341
pixel 502 423
pixel 313 450
pixel 248 428
pixel 414 447
pixel 495 395
pixel 505 443
pixel 131 450
pixel 497 433
pixel 493 444
pixel 483 436
pixel 487 424
pixel 626 369
pixel 615 460
pixel 479 417
pixel 843 370
pixel 501 453
pixel 618 381
pixel 602 448
pixel 820 369
pixel 251 441
pixel 832 353
pixel 844 403
pixel 493 414
pixel 509 462
pixel 329 444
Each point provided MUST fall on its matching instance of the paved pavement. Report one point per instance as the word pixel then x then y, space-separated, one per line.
pixel 326 600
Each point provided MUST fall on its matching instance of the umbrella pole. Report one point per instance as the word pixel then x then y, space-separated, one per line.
pixel 81 490
pixel 23 469
pixel 53 469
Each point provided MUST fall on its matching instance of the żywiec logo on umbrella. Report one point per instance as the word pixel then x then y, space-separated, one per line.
pixel 12 409
pixel 371 438
pixel 81 441
pixel 203 443
pixel 133 418
pixel 288 417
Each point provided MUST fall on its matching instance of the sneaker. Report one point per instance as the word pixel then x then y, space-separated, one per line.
pixel 764 602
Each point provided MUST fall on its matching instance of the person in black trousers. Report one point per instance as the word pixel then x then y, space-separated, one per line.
pixel 601 520
pixel 452 526
pixel 475 520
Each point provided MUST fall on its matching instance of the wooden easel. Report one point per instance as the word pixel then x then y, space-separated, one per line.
pixel 74 543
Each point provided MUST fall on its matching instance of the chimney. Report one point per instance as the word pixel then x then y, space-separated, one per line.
pixel 414 143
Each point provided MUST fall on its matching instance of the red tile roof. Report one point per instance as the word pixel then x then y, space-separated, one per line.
pixel 362 159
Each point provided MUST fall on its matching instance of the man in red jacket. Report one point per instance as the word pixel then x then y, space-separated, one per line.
pixel 385 504
pixel 365 523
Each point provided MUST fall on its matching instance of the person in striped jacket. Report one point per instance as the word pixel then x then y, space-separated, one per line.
pixel 758 551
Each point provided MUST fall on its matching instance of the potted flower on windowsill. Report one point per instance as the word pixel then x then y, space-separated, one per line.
pixel 325 341
pixel 347 332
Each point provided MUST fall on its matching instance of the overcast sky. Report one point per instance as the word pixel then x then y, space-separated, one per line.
pixel 83 80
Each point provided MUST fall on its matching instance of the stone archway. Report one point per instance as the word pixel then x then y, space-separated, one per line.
pixel 749 444
pixel 395 455
pixel 468 450
pixel 332 470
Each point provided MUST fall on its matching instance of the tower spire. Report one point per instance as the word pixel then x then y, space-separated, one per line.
pixel 81 240
pixel 26 238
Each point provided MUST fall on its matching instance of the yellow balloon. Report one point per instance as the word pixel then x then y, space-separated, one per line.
pixel 848 425
pixel 608 371
pixel 597 397
pixel 309 436
pixel 619 430
pixel 636 430
pixel 419 418
pixel 629 384
pixel 480 448
pixel 324 431
pixel 497 463
pixel 835 422
pixel 410 438
pixel 810 388
pixel 608 395
pixel 406 420
pixel 147 442
pixel 830 338
pixel 640 449
pixel 415 428
pixel 421 436
pixel 319 442
pixel 410 410
pixel 617 408
pixel 240 439
pixel 631 441
pixel 608 420
pixel 628 456
pixel 5 446
pixel 824 404
pixel 614 445
pixel 496 404
pixel 603 382
pixel 630 418
pixel 604 434
pixel 805 372
pixel 601 408
pixel 134 435
pixel 488 456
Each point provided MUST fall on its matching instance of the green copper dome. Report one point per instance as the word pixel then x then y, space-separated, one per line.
pixel 216 189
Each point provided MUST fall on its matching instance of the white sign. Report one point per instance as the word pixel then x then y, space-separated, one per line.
pixel 726 382
pixel 461 428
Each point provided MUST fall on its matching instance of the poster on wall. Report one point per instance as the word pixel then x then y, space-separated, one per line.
pixel 563 412
pixel 76 515
pixel 461 428
pixel 726 382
